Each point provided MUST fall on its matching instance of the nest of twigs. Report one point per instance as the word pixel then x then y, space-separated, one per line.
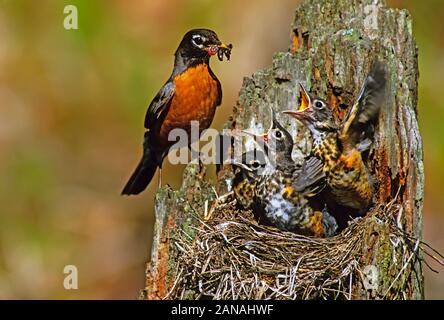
pixel 231 256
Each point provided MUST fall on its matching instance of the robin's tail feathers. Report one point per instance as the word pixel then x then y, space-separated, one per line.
pixel 144 172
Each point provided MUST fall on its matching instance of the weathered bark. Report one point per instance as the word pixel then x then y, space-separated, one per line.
pixel 333 45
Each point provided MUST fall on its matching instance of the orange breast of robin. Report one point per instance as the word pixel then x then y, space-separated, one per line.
pixel 195 99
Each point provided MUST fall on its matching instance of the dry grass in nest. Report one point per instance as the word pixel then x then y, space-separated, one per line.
pixel 232 257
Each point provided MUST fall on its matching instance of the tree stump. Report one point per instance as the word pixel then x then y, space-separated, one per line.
pixel 333 45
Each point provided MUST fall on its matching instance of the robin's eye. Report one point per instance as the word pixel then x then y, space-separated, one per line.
pixel 319 104
pixel 198 40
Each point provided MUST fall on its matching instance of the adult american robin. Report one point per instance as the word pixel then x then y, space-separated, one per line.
pixel 192 93
pixel 280 190
pixel 340 146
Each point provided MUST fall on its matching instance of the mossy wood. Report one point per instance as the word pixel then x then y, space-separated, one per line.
pixel 333 44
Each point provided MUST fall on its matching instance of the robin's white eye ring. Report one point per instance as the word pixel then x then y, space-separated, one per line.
pixel 198 40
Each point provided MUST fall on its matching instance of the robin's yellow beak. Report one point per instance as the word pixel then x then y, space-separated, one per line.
pixel 215 47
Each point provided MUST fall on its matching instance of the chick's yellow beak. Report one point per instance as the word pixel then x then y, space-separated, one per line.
pixel 305 99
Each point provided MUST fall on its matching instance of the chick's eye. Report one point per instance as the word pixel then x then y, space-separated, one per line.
pixel 255 164
pixel 278 134
pixel 319 104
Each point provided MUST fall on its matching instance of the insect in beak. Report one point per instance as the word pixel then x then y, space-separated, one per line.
pixel 220 49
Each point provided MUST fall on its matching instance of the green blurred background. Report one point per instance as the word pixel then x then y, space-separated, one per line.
pixel 72 105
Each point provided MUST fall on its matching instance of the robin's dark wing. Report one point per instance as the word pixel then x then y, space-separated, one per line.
pixel 219 87
pixel 160 104
pixel 219 93
pixel 310 179
pixel 366 109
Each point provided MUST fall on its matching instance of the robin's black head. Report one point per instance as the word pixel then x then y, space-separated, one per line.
pixel 314 113
pixel 200 44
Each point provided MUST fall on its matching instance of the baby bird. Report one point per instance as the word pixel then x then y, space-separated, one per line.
pixel 340 147
pixel 278 190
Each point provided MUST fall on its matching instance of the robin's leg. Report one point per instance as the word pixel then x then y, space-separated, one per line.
pixel 201 164
pixel 195 154
pixel 160 178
